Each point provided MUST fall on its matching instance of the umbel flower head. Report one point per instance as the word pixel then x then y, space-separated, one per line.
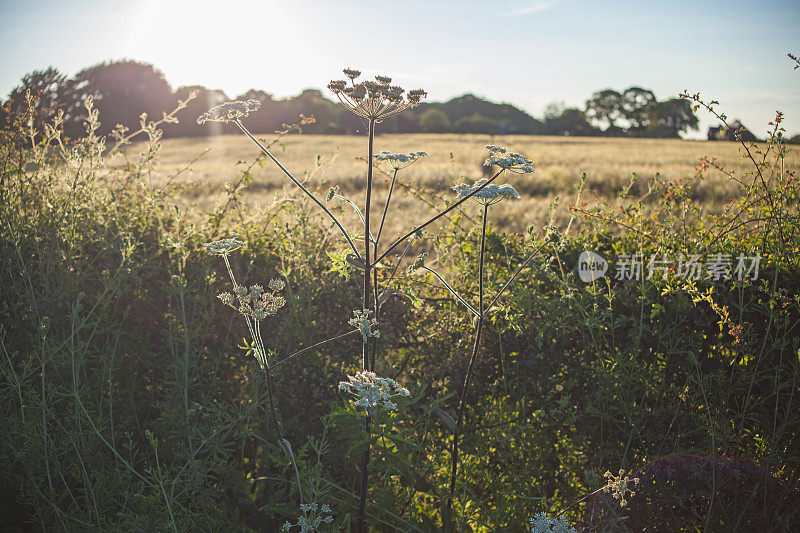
pixel 372 390
pixel 511 161
pixel 255 302
pixel 224 247
pixel 618 486
pixel 361 319
pixel 229 111
pixel 541 523
pixel 398 161
pixel 313 517
pixel 374 100
pixel 490 194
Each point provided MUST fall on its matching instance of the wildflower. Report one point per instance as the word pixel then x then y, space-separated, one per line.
pixel 229 111
pixel 511 161
pixel 255 302
pixel 374 100
pixel 618 486
pixel 419 262
pixel 399 161
pixel 541 523
pixel 490 194
pixel 224 247
pixel 361 319
pixel 372 390
pixel 313 517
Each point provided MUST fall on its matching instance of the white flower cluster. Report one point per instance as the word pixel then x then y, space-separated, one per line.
pixel 618 486
pixel 313 517
pixel 399 161
pixel 224 246
pixel 255 302
pixel 490 194
pixel 364 323
pixel 511 161
pixel 541 523
pixel 372 390
pixel 229 111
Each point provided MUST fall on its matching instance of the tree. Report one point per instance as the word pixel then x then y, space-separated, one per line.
pixel 635 104
pixel 571 121
pixel 47 90
pixel 122 90
pixel 671 118
pixel 604 108
pixel 476 123
pixel 434 121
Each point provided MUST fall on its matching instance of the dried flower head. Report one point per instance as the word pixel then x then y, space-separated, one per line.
pixel 229 111
pixel 399 161
pixel 374 100
pixel 490 194
pixel 361 319
pixel 618 486
pixel 373 391
pixel 511 161
pixel 224 247
pixel 255 302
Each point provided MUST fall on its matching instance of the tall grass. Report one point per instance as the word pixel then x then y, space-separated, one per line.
pixel 127 403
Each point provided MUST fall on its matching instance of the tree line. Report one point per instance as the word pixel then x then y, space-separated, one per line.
pixel 122 90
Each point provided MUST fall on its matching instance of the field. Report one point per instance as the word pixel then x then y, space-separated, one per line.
pixel 559 162
pixel 144 388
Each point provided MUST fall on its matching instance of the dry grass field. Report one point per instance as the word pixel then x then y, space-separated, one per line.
pixel 338 160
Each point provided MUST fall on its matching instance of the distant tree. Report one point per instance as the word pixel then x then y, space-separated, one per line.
pixel 47 90
pixel 476 123
pixel 670 118
pixel 122 91
pixel 604 109
pixel 554 110
pixel 635 104
pixel 434 121
pixel 508 118
pixel 571 121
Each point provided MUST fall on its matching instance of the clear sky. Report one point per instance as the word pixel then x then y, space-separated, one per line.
pixel 525 52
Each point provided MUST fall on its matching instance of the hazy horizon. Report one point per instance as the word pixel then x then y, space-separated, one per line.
pixel 526 53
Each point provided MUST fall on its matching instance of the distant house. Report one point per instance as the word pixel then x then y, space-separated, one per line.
pixel 721 133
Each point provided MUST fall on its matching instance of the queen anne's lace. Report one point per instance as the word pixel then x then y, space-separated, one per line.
pixel 254 302
pixel 490 194
pixel 366 325
pixel 511 161
pixel 313 517
pixel 541 523
pixel 618 486
pixel 229 111
pixel 372 390
pixel 224 246
pixel 399 161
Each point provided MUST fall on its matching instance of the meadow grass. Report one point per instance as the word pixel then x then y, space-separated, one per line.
pixel 131 400
pixel 560 161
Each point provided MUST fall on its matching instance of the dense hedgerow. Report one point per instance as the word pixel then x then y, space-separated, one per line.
pixel 128 404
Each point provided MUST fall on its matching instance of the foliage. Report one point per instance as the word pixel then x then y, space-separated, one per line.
pixel 127 405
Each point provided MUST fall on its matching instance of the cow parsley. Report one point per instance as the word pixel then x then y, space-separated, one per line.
pixel 229 111
pixel 373 391
pixel 488 195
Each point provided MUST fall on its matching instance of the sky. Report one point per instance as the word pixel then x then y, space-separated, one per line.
pixel 525 52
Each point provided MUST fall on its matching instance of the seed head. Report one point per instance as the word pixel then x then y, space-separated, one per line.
pixel 374 100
